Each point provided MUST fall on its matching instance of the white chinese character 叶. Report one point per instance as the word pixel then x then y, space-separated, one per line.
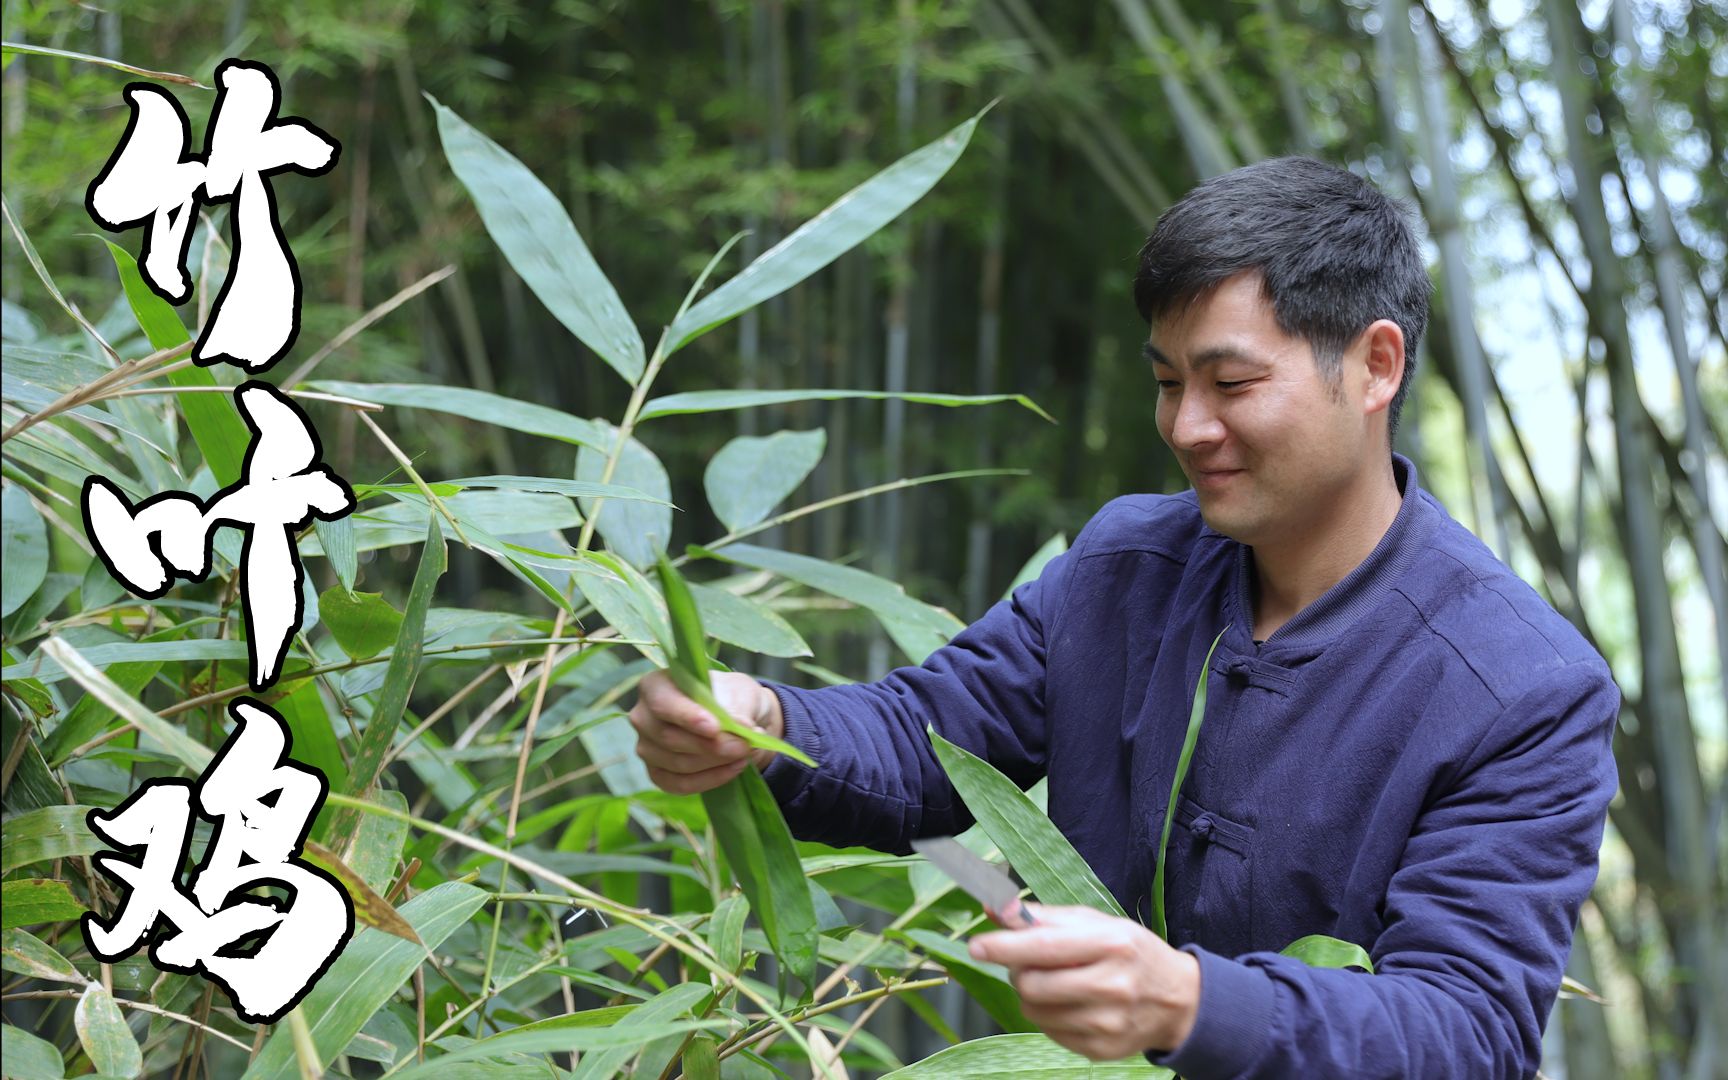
pixel 153 179
pixel 262 806
pixel 282 488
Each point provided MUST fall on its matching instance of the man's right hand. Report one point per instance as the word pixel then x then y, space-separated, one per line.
pixel 681 742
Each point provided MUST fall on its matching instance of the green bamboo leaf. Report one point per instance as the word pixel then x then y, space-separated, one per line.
pixel 532 229
pixel 29 1057
pixel 313 738
pixel 400 675
pixel 45 668
pixel 481 513
pixel 372 968
pixel 836 230
pixel 370 909
pixel 24 547
pixel 524 416
pixel 11 47
pixel 1196 714
pixel 555 485
pixel 1024 1057
pixel 336 540
pixel 1053 547
pixel 112 1047
pixel 215 423
pixel 363 624
pixel 741 621
pixel 195 755
pixel 701 1060
pixel 1318 950
pixel 621 1041
pixel 918 628
pixel 704 401
pixel 636 531
pixel 753 835
pixel 726 932
pixel 32 901
pixel 1044 858
pixel 23 953
pixel 377 842
pixel 987 983
pixel 680 999
pixel 687 663
pixel 749 476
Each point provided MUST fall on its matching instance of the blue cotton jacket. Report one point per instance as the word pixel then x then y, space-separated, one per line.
pixel 1419 762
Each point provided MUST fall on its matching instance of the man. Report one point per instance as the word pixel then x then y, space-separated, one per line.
pixel 1403 746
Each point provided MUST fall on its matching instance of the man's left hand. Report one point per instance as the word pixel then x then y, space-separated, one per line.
pixel 1101 985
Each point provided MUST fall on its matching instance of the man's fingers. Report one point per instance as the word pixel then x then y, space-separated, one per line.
pixel 661 699
pixel 651 729
pixel 690 783
pixel 1045 946
pixel 1085 985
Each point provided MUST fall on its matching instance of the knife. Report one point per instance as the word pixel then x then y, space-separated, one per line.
pixel 985 882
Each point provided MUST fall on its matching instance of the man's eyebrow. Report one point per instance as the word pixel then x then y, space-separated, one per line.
pixel 1211 355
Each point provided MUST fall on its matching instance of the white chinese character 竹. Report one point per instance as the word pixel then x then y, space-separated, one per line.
pixel 282 488
pixel 153 179
pixel 262 805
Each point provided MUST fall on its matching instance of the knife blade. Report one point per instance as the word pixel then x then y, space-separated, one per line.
pixel 984 882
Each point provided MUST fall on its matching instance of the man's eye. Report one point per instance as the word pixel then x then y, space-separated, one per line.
pixel 1166 384
pixel 1230 385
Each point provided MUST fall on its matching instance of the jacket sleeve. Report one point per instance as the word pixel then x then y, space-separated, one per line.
pixel 1478 919
pixel 877 782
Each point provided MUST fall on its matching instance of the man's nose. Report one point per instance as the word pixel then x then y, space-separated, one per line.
pixel 1196 423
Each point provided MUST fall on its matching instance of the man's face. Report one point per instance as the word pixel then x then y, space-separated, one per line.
pixel 1270 449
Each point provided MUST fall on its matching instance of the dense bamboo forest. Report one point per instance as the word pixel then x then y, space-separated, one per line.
pixel 986 394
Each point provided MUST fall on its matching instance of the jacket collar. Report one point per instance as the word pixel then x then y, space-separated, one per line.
pixel 1341 605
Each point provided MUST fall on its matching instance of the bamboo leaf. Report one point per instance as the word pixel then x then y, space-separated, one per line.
pixel 1024 1057
pixel 29 1057
pixel 524 416
pixel 836 230
pixel 636 531
pixel 32 901
pixel 102 1030
pixel 738 620
pixel 532 229
pixel 336 540
pixel 1318 950
pixel 404 668
pixel 1196 715
pixel 1044 858
pixel 53 832
pixel 918 628
pixel 753 835
pixel 1053 547
pixel 372 968
pixel 987 983
pixel 663 1007
pixel 726 932
pixel 216 427
pixel 24 546
pixel 749 476
pixel 369 908
pixel 702 401
pixel 363 624
pixel 702 1061
pixel 11 47
pixel 687 663
pixel 45 668
pixel 192 753
pixel 23 953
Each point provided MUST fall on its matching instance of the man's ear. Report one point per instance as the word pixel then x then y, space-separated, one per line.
pixel 1383 362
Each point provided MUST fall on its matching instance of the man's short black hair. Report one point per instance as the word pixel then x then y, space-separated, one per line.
pixel 1333 252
